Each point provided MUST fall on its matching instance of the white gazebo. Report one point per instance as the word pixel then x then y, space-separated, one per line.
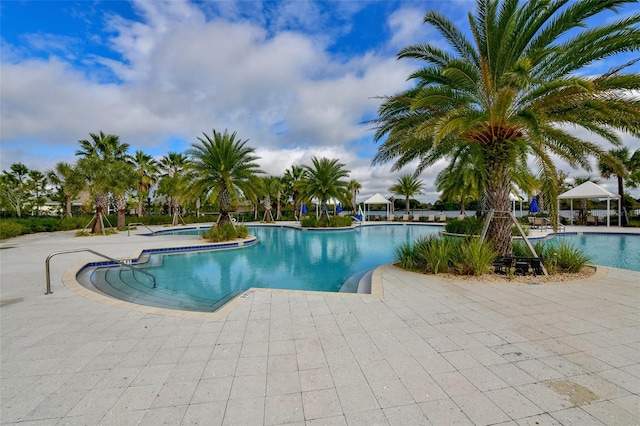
pixel 377 199
pixel 590 190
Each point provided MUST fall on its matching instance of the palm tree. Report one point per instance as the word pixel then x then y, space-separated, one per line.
pixel 224 168
pixel 69 181
pixel 621 164
pixel 147 170
pixel 409 186
pixel 174 166
pixel 514 91
pixel 14 186
pixel 324 181
pixel 354 188
pixel 100 163
pixel 272 186
pixel 291 179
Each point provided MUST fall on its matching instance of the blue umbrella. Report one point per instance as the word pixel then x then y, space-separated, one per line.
pixel 533 206
pixel 304 208
pixel 339 209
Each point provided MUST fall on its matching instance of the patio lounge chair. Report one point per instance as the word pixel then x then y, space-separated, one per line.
pixel 592 220
pixel 431 218
pixel 416 218
pixel 442 218
pixel 405 218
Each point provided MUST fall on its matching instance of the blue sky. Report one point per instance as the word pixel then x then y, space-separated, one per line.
pixel 296 79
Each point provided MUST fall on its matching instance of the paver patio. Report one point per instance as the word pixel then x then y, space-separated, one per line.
pixel 431 351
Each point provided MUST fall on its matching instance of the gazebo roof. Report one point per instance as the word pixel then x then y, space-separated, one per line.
pixel 588 190
pixel 377 199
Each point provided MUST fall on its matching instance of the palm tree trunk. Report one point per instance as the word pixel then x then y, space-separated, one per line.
pixel 278 209
pixel 406 207
pixel 498 187
pixel 224 205
pixel 140 206
pixel 121 204
pixel 623 211
pixel 67 202
pixel 101 200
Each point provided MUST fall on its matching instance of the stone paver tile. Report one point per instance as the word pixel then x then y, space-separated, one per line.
pixel 54 406
pixel 544 397
pixel 423 388
pixel 251 366
pixel 179 393
pixel 483 379
pixel 339 356
pixel 610 414
pixel 254 349
pixel 244 412
pixel 622 379
pixel 367 418
pixel 206 413
pixel 153 374
pixel 511 374
pixel 603 388
pixel 226 351
pixel 248 386
pixel 137 398
pixel 284 383
pixel 319 378
pixel 539 419
pixel 321 403
pixel 356 398
pixel 444 412
pixel 538 370
pixel 170 415
pixel 480 409
pixel 282 364
pixel 575 416
pixel 347 374
pixel 119 377
pixel 311 359
pixel 82 420
pixel 187 372
pixel 282 347
pixel 434 363
pixel 167 356
pixel 461 360
pixel 196 353
pixel 327 421
pixel 454 383
pixel 513 403
pixel 391 393
pixel 282 409
pixel 562 365
pixel 97 401
pixel 120 418
pixel 406 415
pixel 210 390
pixel 216 368
pixel 630 403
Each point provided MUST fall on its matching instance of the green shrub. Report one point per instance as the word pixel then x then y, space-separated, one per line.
pixel 226 232
pixel 564 257
pixel 10 228
pixel 331 222
pixel 468 226
pixel 406 256
pixel 438 253
pixel 472 257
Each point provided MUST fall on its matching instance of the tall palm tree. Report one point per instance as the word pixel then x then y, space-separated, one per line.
pixel 172 183
pixel 272 186
pixel 408 186
pixel 14 186
pixel 621 164
pixel 324 181
pixel 354 188
pixel 100 163
pixel 147 170
pixel 514 90
pixel 224 168
pixel 291 179
pixel 69 182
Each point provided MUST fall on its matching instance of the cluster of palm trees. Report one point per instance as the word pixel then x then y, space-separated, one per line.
pixel 511 95
pixel 219 170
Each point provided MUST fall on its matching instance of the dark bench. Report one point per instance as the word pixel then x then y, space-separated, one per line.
pixel 521 265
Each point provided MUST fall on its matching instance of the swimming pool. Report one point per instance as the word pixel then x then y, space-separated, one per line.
pixel 284 258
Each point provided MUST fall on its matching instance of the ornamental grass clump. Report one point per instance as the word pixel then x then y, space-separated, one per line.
pixel 226 232
pixel 564 257
pixel 473 257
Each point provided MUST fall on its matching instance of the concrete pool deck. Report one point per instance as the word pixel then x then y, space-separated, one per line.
pixel 431 351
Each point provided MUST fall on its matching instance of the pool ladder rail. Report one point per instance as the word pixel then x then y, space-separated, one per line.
pixel 138 224
pixel 126 263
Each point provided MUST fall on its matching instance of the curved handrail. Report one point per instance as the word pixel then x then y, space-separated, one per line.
pixel 137 224
pixel 122 263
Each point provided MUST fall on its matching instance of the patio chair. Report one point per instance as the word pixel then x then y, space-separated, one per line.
pixel 461 216
pixel 592 220
pixel 521 267
pixel 442 218
pixel 416 218
pixel 502 265
pixel 431 218
pixel 405 218
pixel 536 266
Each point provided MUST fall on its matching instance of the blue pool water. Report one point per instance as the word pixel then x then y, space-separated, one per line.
pixel 284 259
pixel 302 260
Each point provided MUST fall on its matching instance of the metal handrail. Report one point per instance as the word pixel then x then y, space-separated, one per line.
pixel 137 224
pixel 122 263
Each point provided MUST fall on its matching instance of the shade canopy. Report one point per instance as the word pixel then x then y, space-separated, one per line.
pixel 377 199
pixel 590 190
